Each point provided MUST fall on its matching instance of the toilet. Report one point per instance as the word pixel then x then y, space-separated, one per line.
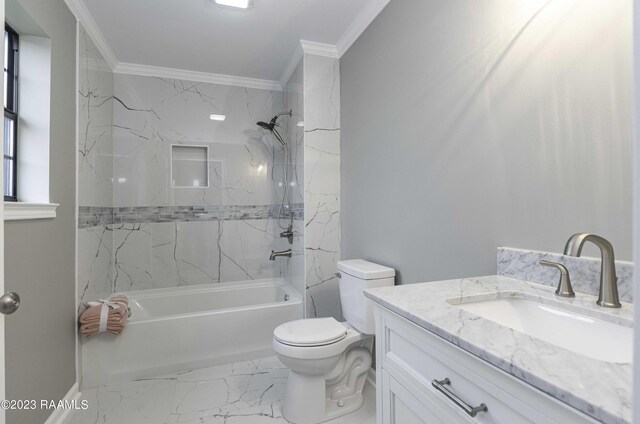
pixel 328 360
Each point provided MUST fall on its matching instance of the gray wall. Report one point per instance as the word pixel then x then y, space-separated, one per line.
pixel 468 125
pixel 40 255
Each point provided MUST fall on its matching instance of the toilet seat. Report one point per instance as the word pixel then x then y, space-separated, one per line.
pixel 310 332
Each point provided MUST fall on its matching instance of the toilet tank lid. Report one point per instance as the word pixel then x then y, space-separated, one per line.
pixel 365 270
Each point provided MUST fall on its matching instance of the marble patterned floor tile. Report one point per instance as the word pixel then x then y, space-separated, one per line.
pixel 249 392
pixel 141 402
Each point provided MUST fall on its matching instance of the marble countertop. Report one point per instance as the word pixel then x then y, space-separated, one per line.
pixel 602 390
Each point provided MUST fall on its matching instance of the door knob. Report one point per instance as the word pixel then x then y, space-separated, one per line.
pixel 9 303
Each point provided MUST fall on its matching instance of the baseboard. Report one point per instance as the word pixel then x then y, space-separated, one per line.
pixel 371 377
pixel 59 415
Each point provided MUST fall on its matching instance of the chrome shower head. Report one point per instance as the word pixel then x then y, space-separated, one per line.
pixel 264 125
pixel 271 126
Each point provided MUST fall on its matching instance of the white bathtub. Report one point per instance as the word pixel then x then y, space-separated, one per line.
pixel 182 328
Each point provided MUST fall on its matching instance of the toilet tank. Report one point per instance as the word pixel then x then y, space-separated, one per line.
pixel 357 275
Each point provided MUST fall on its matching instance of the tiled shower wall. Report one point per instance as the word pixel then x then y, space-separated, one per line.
pixel 294 101
pixel 322 184
pixel 95 170
pixel 136 231
pixel 231 230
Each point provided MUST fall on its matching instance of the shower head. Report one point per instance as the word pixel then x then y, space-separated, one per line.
pixel 271 126
pixel 264 125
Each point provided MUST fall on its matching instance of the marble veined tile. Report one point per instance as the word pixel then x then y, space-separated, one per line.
pixel 249 392
pixel 322 185
pixel 95 115
pixel 583 271
pixel 140 402
pixel 95 263
pixel 170 254
pixel 151 114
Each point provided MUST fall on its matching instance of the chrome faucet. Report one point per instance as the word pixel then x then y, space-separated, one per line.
pixel 608 294
pixel 275 254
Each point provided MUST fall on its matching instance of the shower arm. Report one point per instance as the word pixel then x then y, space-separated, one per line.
pixel 275 118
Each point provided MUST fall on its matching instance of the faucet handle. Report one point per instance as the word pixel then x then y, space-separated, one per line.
pixel 564 285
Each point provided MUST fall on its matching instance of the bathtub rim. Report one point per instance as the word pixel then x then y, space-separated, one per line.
pixel 295 297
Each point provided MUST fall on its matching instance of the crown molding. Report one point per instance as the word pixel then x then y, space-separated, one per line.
pixel 319 49
pixel 82 14
pixel 291 66
pixel 182 74
pixel 359 24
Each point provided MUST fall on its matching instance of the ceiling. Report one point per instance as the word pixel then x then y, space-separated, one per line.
pixel 198 35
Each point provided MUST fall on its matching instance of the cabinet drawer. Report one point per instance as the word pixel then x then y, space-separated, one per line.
pixel 403 405
pixel 415 357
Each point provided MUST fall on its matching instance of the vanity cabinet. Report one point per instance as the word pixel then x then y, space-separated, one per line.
pixel 412 361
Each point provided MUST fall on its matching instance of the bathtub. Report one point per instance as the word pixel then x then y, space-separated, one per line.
pixel 178 329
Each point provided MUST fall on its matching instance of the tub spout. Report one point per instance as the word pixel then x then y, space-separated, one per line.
pixel 275 254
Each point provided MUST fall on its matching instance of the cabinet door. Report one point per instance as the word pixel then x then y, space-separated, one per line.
pixel 399 406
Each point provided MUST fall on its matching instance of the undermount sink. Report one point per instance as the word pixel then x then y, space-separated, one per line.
pixel 595 337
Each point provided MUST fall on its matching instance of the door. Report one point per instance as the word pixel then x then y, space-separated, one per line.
pixel 2 364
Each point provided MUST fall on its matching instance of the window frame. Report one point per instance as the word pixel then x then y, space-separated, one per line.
pixel 11 111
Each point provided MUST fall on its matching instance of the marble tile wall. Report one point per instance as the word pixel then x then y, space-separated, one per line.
pixel 294 100
pixel 322 184
pixel 95 116
pixel 95 171
pixel 136 231
pixel 170 254
pixel 151 114
pixel 166 236
pixel 584 271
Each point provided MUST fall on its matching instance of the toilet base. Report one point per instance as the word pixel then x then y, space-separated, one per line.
pixel 313 399
pixel 302 403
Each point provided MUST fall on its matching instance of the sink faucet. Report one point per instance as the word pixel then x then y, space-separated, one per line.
pixel 275 254
pixel 608 294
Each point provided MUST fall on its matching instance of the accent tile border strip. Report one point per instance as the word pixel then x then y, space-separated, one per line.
pixel 92 216
pixel 584 271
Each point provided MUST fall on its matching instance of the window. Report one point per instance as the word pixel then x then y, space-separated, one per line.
pixel 10 112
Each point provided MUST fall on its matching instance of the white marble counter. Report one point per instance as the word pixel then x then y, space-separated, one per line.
pixel 602 390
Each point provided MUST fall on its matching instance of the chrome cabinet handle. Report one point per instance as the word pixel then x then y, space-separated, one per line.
pixel 472 411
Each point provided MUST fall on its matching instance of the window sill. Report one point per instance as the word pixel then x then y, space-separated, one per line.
pixel 19 211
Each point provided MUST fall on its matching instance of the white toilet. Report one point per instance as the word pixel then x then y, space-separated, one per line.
pixel 328 360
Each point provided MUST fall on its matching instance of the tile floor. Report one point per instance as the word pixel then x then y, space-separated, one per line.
pixel 248 392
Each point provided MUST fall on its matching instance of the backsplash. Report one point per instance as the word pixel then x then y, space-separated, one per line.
pixel 584 271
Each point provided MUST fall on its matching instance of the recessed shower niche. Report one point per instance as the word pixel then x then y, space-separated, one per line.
pixel 189 166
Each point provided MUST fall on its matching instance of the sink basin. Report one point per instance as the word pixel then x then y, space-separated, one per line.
pixel 597 338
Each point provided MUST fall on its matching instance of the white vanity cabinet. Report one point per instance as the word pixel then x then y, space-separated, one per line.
pixel 411 359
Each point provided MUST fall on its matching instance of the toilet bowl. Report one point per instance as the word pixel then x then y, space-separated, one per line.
pixel 328 360
pixel 326 372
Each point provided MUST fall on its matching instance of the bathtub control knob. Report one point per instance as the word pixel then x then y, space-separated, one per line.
pixel 9 303
pixel 340 403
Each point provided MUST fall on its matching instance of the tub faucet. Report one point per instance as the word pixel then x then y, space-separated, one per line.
pixel 608 294
pixel 275 254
